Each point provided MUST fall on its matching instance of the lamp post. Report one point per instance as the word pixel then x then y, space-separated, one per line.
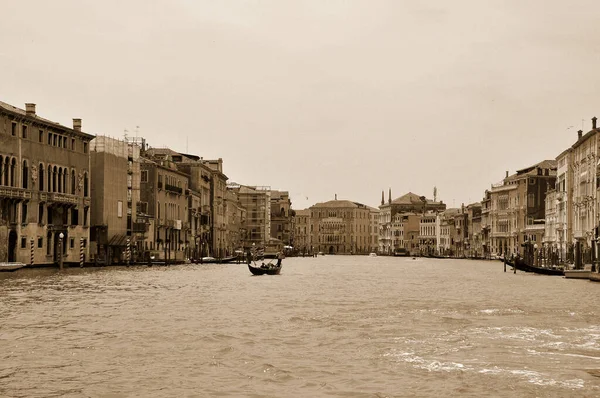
pixel 535 255
pixel 60 256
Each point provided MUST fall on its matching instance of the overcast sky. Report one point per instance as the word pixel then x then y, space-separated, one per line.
pixel 318 97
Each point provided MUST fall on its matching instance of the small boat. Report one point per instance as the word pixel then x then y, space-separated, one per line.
pixel 372 254
pixel 9 267
pixel 521 265
pixel 268 270
pixel 577 273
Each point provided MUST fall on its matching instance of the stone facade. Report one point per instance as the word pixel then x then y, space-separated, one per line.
pixel 341 227
pixel 44 188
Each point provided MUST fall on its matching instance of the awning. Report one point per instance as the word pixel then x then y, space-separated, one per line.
pixel 118 240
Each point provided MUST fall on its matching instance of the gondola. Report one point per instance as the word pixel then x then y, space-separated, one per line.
pixel 521 265
pixel 270 270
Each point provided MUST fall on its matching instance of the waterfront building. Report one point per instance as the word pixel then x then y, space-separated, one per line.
pixel 164 193
pixel 445 220
pixel 550 233
pixel 374 230
pixel 257 202
pixel 302 232
pixel 218 189
pixel 118 221
pixel 235 219
pixel 281 217
pixel 474 240
pixel 486 224
pixel 408 203
pixel 517 213
pixel 341 227
pixel 564 206
pixel 428 234
pixel 44 188
pixel 461 232
pixel 584 158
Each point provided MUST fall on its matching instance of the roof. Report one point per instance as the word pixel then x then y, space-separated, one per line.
pixel 340 203
pixel 35 117
pixel 585 138
pixel 544 164
pixel 412 198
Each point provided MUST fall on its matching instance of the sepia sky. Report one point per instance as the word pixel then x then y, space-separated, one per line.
pixel 318 97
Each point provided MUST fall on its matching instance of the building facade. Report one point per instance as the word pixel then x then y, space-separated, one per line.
pixel 341 227
pixel 44 188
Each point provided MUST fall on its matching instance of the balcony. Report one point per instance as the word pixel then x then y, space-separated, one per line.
pixel 63 198
pixel 174 189
pixel 14 192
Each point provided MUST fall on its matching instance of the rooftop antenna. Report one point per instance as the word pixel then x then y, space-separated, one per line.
pixel 125 135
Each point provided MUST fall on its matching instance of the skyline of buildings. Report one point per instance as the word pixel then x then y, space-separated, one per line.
pixel 122 200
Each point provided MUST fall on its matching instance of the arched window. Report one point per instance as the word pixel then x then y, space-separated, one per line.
pixel 64 185
pixel 85 184
pixel 41 177
pixel 73 182
pixel 49 178
pixel 60 177
pixel 13 169
pixel 1 170
pixel 54 175
pixel 6 170
pixel 25 174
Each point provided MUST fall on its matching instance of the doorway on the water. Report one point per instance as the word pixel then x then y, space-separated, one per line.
pixel 12 246
pixel 331 250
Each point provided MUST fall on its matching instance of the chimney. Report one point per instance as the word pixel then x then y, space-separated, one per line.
pixel 336 196
pixel 382 198
pixel 77 124
pixel 579 134
pixel 390 196
pixel 30 109
pixel 594 122
pixel 506 174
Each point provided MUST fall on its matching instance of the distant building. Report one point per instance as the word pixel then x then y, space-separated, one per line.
pixel 302 235
pixel 564 207
pixel 409 203
pixel 341 227
pixel 114 222
pixel 517 213
pixel 257 202
pixel 374 230
pixel 164 193
pixel 474 241
pixel 281 217
pixel 44 188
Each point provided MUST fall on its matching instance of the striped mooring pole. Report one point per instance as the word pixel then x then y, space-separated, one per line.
pixel 128 253
pixel 81 252
pixel 32 253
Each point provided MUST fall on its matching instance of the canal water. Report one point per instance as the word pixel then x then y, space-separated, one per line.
pixel 332 326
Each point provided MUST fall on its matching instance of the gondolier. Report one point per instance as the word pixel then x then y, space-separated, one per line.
pixel 279 258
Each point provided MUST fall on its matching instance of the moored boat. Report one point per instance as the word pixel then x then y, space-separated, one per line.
pixel 9 267
pixel 521 265
pixel 577 274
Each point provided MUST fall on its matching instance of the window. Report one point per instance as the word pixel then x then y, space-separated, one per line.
pixel 23 242
pixel 85 147
pixel 144 176
pixel 531 181
pixel 41 137
pixel 85 215
pixel 25 174
pixel 85 184
pixel 74 216
pixel 24 129
pixel 54 139
pixel 13 129
pixel 120 208
pixel 72 144
pixel 40 242
pixel 49 138
pixel 24 213
pixel 530 200
pixel 72 243
pixel 41 213
pixel 143 207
